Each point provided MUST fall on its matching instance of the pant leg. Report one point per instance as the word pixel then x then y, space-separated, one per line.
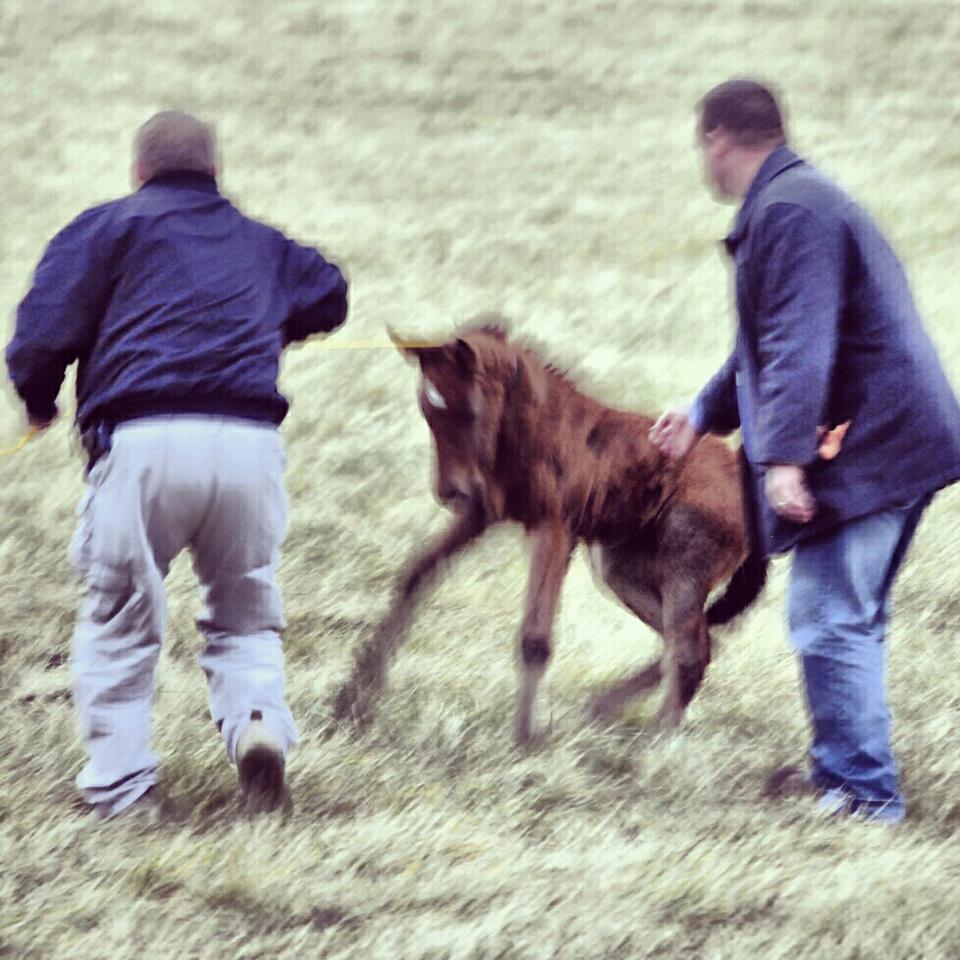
pixel 838 609
pixel 236 555
pixel 121 622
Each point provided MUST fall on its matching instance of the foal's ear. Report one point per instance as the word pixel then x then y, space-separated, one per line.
pixel 458 353
pixel 461 354
pixel 411 349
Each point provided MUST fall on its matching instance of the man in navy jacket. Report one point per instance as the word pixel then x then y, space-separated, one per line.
pixel 177 308
pixel 828 338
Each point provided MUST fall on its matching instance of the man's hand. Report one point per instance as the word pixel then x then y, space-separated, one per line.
pixel 674 434
pixel 38 424
pixel 829 442
pixel 787 493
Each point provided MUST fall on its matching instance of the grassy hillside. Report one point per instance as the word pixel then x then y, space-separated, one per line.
pixel 537 159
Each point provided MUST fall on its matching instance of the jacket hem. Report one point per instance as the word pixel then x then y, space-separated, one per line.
pixel 890 501
pixel 261 411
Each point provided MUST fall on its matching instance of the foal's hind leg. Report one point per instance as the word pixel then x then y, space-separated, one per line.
pixel 629 578
pixel 687 648
pixel 624 690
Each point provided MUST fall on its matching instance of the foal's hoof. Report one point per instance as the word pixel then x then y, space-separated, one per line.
pixel 788 781
pixel 523 737
pixel 600 709
pixel 351 708
pixel 666 723
pixel 529 736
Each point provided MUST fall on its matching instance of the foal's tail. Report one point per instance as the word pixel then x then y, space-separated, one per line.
pixel 744 587
pixel 751 576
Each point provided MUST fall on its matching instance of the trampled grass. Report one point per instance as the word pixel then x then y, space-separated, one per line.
pixel 535 159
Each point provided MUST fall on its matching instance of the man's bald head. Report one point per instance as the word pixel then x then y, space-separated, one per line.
pixel 173 140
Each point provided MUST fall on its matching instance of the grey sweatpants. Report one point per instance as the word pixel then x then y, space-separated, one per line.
pixel 215 486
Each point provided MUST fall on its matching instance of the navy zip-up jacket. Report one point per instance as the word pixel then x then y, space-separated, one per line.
pixel 828 332
pixel 172 301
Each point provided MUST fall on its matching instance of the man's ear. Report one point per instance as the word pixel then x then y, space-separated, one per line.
pixel 718 139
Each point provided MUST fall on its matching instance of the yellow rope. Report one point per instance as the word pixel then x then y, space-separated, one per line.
pixel 20 444
pixel 361 345
pixel 349 345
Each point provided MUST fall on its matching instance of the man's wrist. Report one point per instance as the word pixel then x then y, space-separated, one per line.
pixel 39 415
pixel 695 418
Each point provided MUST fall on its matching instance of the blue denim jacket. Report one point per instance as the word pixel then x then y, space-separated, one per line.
pixel 828 332
pixel 173 302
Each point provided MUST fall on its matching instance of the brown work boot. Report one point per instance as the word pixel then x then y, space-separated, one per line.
pixel 260 765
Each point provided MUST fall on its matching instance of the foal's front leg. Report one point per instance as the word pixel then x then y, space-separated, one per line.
pixel 552 547
pixel 356 697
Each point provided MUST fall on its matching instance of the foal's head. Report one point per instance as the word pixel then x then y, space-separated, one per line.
pixel 461 397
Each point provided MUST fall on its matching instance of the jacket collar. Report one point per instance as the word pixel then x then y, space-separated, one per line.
pixel 783 158
pixel 183 180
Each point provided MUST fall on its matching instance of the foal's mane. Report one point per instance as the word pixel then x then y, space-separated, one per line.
pixel 493 331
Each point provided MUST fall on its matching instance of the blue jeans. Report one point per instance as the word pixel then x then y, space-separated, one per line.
pixel 838 610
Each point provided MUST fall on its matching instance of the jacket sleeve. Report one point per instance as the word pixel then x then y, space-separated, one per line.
pixel 57 321
pixel 715 408
pixel 798 275
pixel 316 292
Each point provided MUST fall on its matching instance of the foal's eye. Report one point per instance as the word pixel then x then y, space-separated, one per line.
pixel 434 396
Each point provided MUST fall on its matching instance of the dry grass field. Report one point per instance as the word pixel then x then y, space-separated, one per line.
pixel 533 158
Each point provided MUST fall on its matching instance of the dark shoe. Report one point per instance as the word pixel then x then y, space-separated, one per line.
pixel 145 809
pixel 260 765
pixel 840 803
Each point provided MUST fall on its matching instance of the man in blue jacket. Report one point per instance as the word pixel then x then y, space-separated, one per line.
pixel 828 337
pixel 177 308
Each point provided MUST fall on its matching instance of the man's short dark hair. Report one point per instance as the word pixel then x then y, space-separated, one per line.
pixel 745 109
pixel 174 140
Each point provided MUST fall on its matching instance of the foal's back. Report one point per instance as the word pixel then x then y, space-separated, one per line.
pixel 614 483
